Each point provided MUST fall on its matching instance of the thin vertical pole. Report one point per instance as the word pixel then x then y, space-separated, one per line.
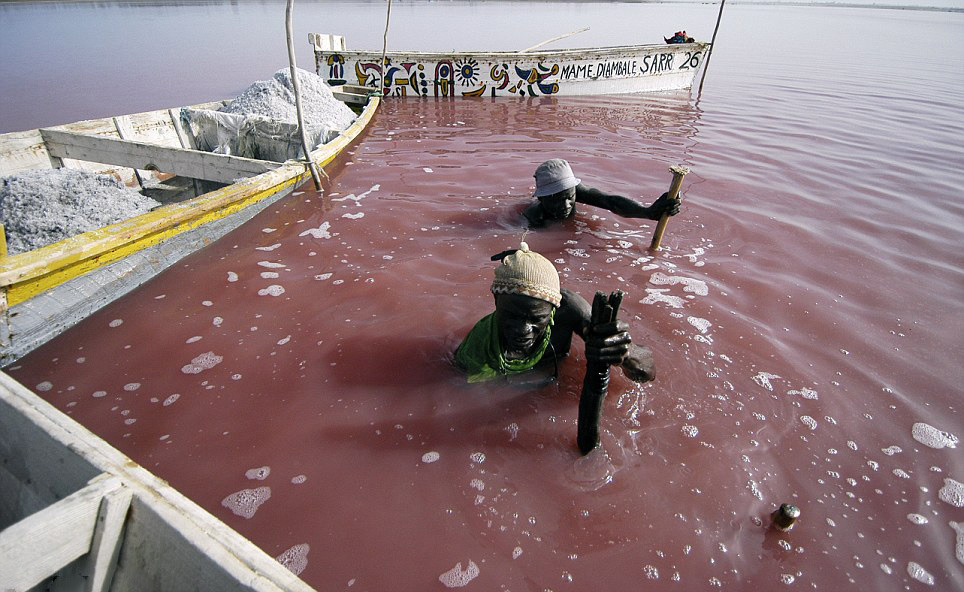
pixel 706 64
pixel 388 17
pixel 297 90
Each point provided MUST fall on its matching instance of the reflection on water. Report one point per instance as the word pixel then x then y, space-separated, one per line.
pixel 801 318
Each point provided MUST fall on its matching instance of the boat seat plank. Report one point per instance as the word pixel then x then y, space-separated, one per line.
pixel 24 151
pixel 209 166
pixel 43 543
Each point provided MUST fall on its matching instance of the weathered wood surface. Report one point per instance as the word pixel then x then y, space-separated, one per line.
pixel 221 168
pixel 169 542
pixel 41 544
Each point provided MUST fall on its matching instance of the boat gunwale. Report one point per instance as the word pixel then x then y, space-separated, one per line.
pixel 31 265
pixel 609 50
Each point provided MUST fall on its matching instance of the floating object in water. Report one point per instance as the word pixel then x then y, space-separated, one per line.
pixel 785 517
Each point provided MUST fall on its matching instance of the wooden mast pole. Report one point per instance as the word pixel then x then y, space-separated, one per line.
pixel 706 64
pixel 295 87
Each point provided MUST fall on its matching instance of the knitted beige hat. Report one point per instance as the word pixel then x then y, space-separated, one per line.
pixel 529 273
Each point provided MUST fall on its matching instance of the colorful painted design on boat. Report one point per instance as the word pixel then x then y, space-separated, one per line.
pixel 613 70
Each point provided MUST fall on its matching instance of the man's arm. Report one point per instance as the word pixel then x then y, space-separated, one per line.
pixel 624 206
pixel 611 343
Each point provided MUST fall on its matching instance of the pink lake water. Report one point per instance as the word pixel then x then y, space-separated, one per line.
pixel 805 316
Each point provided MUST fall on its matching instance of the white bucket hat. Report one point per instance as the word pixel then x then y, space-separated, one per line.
pixel 554 176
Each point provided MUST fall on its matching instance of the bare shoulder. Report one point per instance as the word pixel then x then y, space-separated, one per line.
pixel 535 215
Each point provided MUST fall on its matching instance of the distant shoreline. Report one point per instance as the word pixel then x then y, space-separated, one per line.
pixel 827 4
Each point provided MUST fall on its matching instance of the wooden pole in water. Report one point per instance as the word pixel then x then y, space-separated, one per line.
pixel 706 64
pixel 388 17
pixel 679 171
pixel 297 90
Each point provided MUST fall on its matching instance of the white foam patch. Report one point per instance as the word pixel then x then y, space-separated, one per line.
pixel 194 339
pixel 216 321
pixel 517 552
pixel 132 386
pixel 354 216
pixel 322 276
pixel 959 545
pixel 99 394
pixel 270 264
pixel 45 386
pixel 269 275
pixel 809 422
pixel 170 399
pixel 356 198
pixel 952 493
pixel 920 574
pixel 268 230
pixel 268 248
pixel 477 457
pixel 457 578
pixel 690 285
pixel 891 450
pixel 477 484
pixel 427 169
pixel 259 473
pixel 656 295
pixel 320 232
pixel 763 379
pixel 246 502
pixel 430 457
pixel 701 324
pixel 930 436
pixel 917 518
pixel 205 361
pixel 115 323
pixel 207 303
pixel 299 479
pixel 806 393
pixel 295 558
pixel 272 290
pixel 232 277
pixel 901 473
pixel 690 431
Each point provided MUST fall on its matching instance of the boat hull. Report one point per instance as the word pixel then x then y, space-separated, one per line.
pixel 612 70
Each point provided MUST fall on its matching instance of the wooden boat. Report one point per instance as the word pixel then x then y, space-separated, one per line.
pixel 596 71
pixel 45 291
pixel 77 514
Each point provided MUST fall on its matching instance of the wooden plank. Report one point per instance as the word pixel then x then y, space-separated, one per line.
pixel 120 123
pixel 43 543
pixel 139 155
pixel 24 151
pixel 105 544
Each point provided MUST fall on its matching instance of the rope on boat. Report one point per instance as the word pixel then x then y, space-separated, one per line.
pixel 297 90
pixel 706 64
pixel 388 17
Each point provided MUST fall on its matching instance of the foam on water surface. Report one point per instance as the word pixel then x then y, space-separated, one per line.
pixel 952 493
pixel 246 502
pixel 457 577
pixel 930 436
pixel 295 558
pixel 920 574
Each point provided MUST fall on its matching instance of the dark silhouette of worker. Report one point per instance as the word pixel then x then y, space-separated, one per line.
pixel 558 191
pixel 533 324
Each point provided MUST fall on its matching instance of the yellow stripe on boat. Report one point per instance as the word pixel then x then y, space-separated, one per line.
pixel 28 274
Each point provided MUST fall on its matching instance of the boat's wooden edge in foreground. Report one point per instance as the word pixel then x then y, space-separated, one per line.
pixel 46 291
pixel 73 505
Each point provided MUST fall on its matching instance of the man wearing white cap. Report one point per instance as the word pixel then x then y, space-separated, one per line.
pixel 533 324
pixel 558 191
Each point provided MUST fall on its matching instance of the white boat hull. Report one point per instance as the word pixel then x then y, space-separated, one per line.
pixel 609 70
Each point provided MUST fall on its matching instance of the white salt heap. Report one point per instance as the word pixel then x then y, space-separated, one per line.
pixel 39 208
pixel 275 99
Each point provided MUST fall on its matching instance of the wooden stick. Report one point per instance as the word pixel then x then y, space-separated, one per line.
pixel 297 91
pixel 569 34
pixel 709 53
pixel 679 171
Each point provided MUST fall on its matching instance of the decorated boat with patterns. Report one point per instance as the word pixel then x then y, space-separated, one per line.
pixel 591 71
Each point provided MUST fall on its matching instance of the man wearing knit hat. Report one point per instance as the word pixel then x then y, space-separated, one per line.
pixel 533 324
pixel 558 191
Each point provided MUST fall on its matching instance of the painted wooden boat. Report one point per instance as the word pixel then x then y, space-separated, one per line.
pixel 595 71
pixel 45 291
